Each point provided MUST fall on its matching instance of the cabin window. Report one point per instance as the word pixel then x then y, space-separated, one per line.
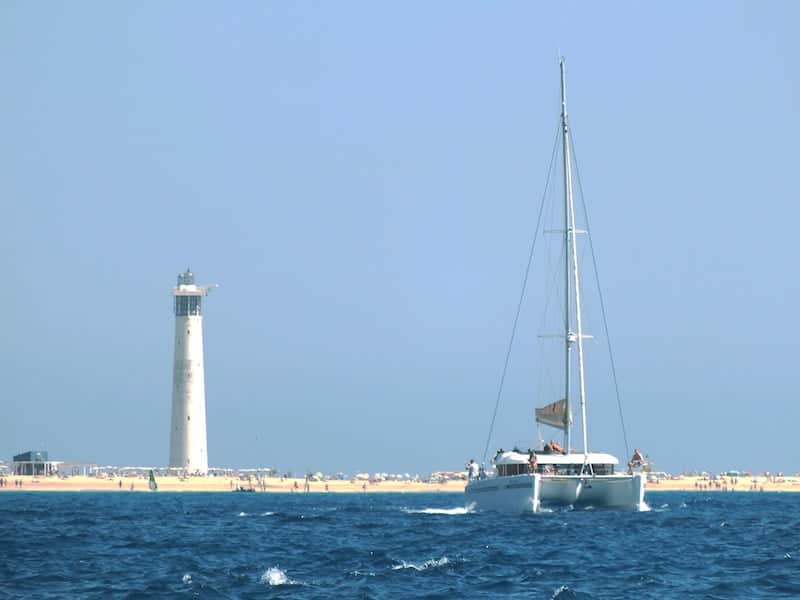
pixel 577 469
pixel 509 470
pixel 603 469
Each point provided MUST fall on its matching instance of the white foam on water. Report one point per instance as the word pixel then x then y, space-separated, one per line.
pixel 362 574
pixel 459 510
pixel 187 579
pixel 562 590
pixel 276 576
pixel 269 513
pixel 242 514
pixel 644 507
pixel 428 564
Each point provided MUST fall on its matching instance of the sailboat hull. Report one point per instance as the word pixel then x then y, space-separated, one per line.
pixel 530 493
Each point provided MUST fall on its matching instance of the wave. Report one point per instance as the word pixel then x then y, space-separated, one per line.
pixel 269 513
pixel 242 514
pixel 563 593
pixel 276 576
pixel 459 510
pixel 187 579
pixel 428 564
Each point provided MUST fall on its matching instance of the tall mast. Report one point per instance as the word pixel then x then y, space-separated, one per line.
pixel 568 338
pixel 571 264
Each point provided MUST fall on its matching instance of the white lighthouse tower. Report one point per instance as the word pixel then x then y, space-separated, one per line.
pixel 188 449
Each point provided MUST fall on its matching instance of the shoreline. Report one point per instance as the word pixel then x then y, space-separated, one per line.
pixel 268 485
pixel 337 486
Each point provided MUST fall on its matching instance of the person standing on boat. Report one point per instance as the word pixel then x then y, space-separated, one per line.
pixel 532 462
pixel 472 469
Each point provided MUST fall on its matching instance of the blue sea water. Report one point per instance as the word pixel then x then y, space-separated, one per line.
pixel 218 545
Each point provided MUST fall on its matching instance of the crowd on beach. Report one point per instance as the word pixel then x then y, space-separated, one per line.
pixel 252 480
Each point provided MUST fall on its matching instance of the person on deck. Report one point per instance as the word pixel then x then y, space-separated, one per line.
pixel 637 460
pixel 472 469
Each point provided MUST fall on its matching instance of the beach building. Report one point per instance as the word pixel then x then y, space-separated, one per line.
pixel 35 463
pixel 188 452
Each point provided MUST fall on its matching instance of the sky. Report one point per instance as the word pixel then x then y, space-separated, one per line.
pixel 362 180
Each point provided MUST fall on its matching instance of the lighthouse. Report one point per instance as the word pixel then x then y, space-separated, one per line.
pixel 188 450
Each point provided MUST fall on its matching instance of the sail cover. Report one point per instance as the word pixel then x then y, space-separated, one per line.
pixel 554 415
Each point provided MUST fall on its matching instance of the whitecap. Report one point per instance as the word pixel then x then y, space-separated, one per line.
pixel 276 576
pixel 187 579
pixel 269 513
pixel 459 510
pixel 644 507
pixel 428 564
pixel 562 590
pixel 242 514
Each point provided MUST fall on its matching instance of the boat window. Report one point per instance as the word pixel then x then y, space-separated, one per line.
pixel 557 469
pixel 603 469
pixel 509 470
pixel 575 469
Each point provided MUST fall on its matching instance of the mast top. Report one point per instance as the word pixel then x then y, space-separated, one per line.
pixel 562 64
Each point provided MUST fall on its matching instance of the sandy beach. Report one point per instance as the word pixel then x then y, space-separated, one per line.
pixel 298 485
pixel 222 484
pixel 727 484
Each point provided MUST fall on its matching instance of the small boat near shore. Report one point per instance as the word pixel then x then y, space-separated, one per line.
pixel 526 481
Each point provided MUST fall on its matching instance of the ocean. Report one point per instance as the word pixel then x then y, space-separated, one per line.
pixel 233 545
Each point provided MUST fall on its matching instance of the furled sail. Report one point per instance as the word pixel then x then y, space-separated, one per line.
pixel 554 415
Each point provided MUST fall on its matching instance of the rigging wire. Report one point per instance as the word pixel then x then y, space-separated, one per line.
pixel 600 294
pixel 521 297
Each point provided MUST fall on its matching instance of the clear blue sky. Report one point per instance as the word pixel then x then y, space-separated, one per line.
pixel 362 180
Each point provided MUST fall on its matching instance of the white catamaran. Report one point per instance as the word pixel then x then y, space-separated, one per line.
pixel 552 476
